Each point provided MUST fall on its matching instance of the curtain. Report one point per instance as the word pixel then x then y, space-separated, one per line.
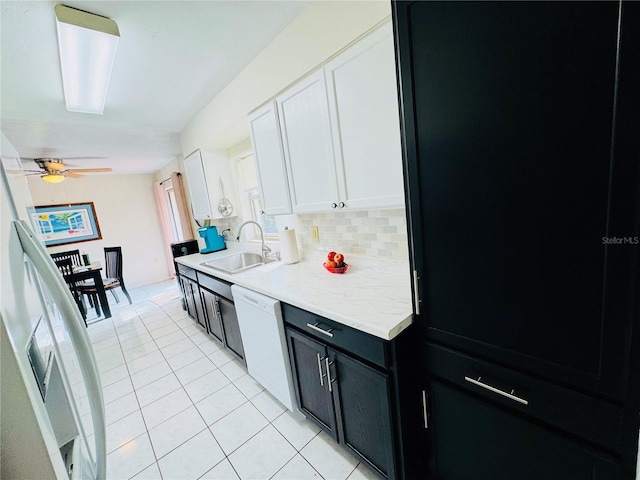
pixel 183 205
pixel 165 226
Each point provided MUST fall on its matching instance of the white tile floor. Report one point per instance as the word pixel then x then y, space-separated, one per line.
pixel 179 406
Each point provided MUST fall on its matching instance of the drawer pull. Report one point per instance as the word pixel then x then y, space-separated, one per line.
pixel 314 326
pixel 510 396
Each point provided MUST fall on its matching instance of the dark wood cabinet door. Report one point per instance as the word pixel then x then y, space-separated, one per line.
pixel 310 380
pixel 196 310
pixel 362 400
pixel 189 298
pixel 213 319
pixel 183 291
pixel 233 339
pixel 520 124
pixel 473 439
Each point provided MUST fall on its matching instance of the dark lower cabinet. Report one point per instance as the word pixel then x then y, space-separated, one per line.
pixel 362 398
pixel 212 312
pixel 233 340
pixel 209 302
pixel 349 398
pixel 472 438
pixel 310 379
pixel 220 313
pixel 183 291
pixel 191 295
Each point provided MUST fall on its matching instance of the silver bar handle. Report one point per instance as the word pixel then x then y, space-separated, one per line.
pixel 314 326
pixel 320 370
pixel 510 396
pixel 424 410
pixel 329 379
pixel 416 295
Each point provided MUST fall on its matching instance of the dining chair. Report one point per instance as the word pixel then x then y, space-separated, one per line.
pixel 74 255
pixel 113 272
pixel 65 266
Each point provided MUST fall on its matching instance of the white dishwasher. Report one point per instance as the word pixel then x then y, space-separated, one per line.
pixel 265 344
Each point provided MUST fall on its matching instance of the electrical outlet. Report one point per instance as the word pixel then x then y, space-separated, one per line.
pixel 315 237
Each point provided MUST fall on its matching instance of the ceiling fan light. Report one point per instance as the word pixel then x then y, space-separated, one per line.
pixel 87 44
pixel 52 177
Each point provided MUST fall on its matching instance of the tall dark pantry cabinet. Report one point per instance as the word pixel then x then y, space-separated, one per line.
pixel 521 124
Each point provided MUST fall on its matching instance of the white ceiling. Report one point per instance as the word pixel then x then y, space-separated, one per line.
pixel 173 58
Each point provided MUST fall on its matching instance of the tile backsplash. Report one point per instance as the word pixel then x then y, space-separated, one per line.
pixel 379 233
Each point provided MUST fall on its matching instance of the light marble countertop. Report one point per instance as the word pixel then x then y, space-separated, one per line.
pixel 373 296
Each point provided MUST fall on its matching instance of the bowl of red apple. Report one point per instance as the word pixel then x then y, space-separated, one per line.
pixel 335 263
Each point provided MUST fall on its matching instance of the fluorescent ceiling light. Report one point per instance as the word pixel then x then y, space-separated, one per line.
pixel 87 45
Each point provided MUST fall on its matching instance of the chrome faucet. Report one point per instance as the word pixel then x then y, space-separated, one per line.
pixel 265 249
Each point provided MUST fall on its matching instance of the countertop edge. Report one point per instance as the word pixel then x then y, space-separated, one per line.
pixel 389 331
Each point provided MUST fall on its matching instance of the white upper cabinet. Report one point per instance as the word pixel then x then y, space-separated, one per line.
pixel 306 135
pixel 365 121
pixel 205 170
pixel 267 147
pixel 339 132
pixel 198 191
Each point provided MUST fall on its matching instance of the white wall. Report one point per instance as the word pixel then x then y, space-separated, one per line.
pixel 321 31
pixel 128 217
pixel 166 171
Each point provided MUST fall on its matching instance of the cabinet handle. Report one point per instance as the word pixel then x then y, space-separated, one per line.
pixel 329 379
pixel 341 204
pixel 416 295
pixel 315 327
pixel 320 369
pixel 425 415
pixel 334 205
pixel 216 305
pixel 510 396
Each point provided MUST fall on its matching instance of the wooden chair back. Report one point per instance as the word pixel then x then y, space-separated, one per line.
pixel 74 255
pixel 113 262
pixel 65 266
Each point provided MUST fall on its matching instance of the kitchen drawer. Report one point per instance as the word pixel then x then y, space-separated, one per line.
pixel 368 347
pixel 187 272
pixel 474 439
pixel 574 412
pixel 220 287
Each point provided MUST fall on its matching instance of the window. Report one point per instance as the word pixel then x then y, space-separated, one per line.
pixel 173 212
pixel 252 202
pixel 267 222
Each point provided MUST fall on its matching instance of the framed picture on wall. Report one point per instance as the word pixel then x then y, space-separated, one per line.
pixel 68 223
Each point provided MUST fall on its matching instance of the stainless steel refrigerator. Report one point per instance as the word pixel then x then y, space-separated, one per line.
pixel 51 406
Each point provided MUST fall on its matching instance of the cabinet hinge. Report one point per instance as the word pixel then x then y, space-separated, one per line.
pixel 425 409
pixel 416 292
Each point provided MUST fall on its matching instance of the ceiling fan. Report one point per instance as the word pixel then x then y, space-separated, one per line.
pixel 54 170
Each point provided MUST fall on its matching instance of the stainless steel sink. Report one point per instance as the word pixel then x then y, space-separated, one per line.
pixel 238 262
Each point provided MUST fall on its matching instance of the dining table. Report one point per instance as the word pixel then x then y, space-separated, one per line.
pixel 93 271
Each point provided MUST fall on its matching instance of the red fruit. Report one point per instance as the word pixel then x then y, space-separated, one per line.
pixel 330 256
pixel 330 264
pixel 338 258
